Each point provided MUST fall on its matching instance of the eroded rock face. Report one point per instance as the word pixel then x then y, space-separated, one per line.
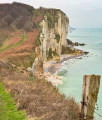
pixel 53 38
pixel 53 34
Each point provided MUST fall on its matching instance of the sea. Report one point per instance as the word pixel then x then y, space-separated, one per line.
pixel 73 70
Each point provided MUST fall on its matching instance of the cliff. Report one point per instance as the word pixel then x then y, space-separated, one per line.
pixel 30 37
pixel 53 35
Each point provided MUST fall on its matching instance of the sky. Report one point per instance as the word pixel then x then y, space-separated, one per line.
pixel 81 13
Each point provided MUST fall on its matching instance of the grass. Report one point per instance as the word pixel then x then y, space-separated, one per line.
pixel 6 47
pixel 8 109
pixel 24 60
pixel 3 36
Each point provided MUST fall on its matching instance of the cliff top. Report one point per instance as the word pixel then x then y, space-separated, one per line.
pixel 21 16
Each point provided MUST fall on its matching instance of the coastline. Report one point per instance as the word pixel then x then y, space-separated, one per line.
pixel 51 68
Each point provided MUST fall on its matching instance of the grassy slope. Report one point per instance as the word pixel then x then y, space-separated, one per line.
pixel 8 109
pixel 6 47
pixel 38 97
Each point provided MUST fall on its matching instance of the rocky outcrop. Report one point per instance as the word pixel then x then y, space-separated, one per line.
pixel 53 34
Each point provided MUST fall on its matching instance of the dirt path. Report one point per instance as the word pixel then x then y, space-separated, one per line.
pixel 14 45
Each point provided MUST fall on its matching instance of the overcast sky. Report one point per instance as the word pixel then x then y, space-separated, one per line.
pixel 82 13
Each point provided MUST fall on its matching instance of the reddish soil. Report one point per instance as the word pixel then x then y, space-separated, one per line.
pixel 15 37
pixel 25 48
pixel 38 19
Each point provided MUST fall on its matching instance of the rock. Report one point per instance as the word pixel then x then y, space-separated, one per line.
pixel 53 80
pixel 86 53
pixel 47 74
pixel 69 42
pixel 29 69
pixel 79 44
pixel 60 78
pixel 56 76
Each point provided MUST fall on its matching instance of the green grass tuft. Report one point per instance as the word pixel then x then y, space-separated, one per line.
pixel 8 109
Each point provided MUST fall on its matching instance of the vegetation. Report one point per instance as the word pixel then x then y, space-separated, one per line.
pixel 51 54
pixel 25 61
pixel 3 37
pixel 36 12
pixel 8 109
pixel 15 16
pixel 38 97
pixel 68 50
pixel 6 47
pixel 57 37
pixel 55 53
pixel 37 41
pixel 51 18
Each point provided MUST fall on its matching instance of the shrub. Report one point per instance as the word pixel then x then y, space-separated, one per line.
pixel 67 50
pixel 55 53
pixel 24 61
pixel 57 37
pixel 37 41
pixel 49 54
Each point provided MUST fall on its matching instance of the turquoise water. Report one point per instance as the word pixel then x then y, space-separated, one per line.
pixel 74 69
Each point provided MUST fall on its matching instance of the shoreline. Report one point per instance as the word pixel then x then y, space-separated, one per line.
pixel 51 68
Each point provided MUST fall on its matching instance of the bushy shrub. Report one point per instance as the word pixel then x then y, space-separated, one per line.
pixel 67 50
pixel 57 37
pixel 49 54
pixel 37 41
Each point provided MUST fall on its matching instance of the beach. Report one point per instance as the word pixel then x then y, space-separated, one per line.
pixel 51 68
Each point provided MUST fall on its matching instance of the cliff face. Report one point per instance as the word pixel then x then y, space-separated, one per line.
pixel 53 35
pixel 53 38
